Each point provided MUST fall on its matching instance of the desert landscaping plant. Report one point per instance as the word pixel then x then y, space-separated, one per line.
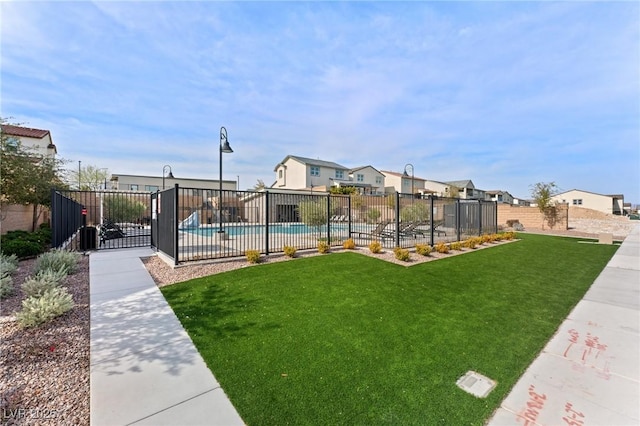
pixel 423 249
pixel 289 251
pixel 323 247
pixel 401 254
pixel 470 243
pixel 37 310
pixel 349 244
pixel 253 256
pixel 8 264
pixel 57 260
pixel 457 245
pixel 6 286
pixel 442 248
pixel 375 247
pixel 37 285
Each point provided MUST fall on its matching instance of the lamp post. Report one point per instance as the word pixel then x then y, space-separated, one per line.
pixel 164 173
pixel 406 174
pixel 224 147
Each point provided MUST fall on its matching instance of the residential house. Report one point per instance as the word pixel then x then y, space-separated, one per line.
pixel 403 183
pixel 521 202
pixel 499 196
pixel 38 140
pixel 296 173
pixel 467 190
pixel 121 182
pixel 612 204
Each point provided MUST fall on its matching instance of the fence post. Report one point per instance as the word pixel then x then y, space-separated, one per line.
pixel 458 230
pixel 266 222
pixel 479 217
pixel 397 219
pixel 176 221
pixel 328 217
pixel 431 231
pixel 495 218
pixel 349 214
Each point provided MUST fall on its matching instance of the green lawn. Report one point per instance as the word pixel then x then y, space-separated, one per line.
pixel 348 339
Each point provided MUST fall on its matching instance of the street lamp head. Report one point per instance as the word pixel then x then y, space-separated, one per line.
pixel 224 143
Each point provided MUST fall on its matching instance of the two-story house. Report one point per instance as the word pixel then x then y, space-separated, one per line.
pixel 499 196
pixel 403 183
pixel 38 140
pixel 295 173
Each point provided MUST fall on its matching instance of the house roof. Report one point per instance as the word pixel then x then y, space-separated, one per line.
pixel 387 172
pixel 496 192
pixel 618 196
pixel 355 169
pixel 312 162
pixel 461 183
pixel 24 132
pixel 27 132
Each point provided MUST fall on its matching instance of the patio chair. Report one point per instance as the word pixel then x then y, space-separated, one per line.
pixel 379 231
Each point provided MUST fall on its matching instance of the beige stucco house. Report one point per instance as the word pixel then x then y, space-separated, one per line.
pixel 298 173
pixel 120 182
pixel 38 140
pixel 499 196
pixel 403 183
pixel 612 204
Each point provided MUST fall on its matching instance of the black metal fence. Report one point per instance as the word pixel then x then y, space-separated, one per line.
pixel 100 219
pixel 198 224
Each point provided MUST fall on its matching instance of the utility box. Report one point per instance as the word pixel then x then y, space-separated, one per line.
pixel 88 238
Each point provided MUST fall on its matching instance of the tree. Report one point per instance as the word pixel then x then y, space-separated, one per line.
pixel 542 193
pixel 26 176
pixel 344 190
pixel 91 178
pixel 123 208
pixel 313 213
pixel 418 212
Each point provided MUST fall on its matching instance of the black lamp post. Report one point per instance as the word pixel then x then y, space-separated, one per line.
pixel 164 173
pixel 224 147
pixel 406 174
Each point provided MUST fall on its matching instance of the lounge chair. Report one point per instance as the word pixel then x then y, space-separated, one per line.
pixel 109 231
pixel 379 231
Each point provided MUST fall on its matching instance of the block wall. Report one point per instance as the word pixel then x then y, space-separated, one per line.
pixel 531 217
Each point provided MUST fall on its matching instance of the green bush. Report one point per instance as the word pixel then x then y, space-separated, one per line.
pixel 37 310
pixel 289 251
pixel 45 280
pixel 401 254
pixel 375 247
pixel 423 249
pixel 21 248
pixel 8 264
pixel 253 256
pixel 57 260
pixel 6 286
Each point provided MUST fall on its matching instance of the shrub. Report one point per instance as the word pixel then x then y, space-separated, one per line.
pixel 423 249
pixel 253 256
pixel 8 264
pixel 323 247
pixel 441 247
pixel 21 248
pixel 44 280
pixel 471 243
pixel 349 244
pixel 57 260
pixel 401 254
pixel 37 310
pixel 511 235
pixel 456 246
pixel 6 286
pixel 289 251
pixel 375 247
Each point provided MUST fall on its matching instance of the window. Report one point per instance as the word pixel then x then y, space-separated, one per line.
pixel 469 192
pixel 577 202
pixel 379 180
pixel 151 188
pixel 315 171
pixel 134 187
pixel 339 174
pixel 280 174
pixel 360 178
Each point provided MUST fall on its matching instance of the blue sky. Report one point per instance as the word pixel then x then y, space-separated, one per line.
pixel 506 94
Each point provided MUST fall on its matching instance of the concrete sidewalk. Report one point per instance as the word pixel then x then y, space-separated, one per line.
pixel 589 373
pixel 144 367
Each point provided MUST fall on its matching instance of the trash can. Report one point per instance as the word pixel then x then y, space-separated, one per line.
pixel 88 238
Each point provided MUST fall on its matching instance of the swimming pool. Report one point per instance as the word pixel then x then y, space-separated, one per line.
pixel 276 228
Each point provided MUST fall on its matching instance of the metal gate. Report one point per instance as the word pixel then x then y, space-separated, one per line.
pixel 89 220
